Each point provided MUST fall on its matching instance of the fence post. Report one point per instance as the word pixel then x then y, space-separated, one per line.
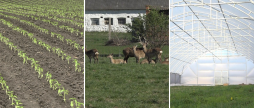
pixel 109 29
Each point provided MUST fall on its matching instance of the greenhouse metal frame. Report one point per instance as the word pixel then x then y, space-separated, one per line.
pixel 198 27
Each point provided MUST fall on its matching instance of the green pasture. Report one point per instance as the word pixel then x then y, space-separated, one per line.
pixel 123 85
pixel 232 96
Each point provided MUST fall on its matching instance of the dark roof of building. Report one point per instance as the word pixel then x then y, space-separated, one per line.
pixel 124 4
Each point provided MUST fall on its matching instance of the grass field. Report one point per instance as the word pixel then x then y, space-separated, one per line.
pixel 233 96
pixel 124 85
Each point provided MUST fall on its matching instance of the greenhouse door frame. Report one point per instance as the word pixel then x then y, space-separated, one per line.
pixel 220 77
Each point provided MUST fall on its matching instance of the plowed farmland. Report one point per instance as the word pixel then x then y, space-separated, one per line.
pixel 41 54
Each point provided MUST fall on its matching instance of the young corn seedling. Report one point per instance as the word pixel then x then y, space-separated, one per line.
pixel 76 46
pixel 3 82
pixel 65 92
pixel 35 40
pixel 54 49
pixel 13 97
pixel 18 103
pixel 58 51
pixel 17 29
pixel 23 55
pixel 79 69
pixel 44 45
pixel 72 43
pixel 30 35
pixel 36 67
pixel 6 40
pixel 63 55
pixel 81 34
pixel 40 72
pixel 44 20
pixel 48 47
pixel 51 81
pixel 58 36
pixel 52 34
pixel 76 64
pixel 72 30
pixel 72 102
pixel 60 91
pixel 24 58
pixel 23 32
pixel 9 94
pixel 55 23
pixel 62 26
pixel 14 48
pixel 79 104
pixel 10 45
pixel 61 38
pixel 53 85
pixel 9 24
pixel 57 85
pixel 6 88
pixel 1 38
pixel 48 21
pixel 68 58
pixel 68 41
pixel 40 42
pixel 33 62
pixel 48 76
pixel 36 18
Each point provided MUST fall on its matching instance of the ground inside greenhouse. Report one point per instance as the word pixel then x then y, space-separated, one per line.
pixel 23 80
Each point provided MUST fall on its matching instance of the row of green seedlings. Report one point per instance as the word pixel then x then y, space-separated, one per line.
pixel 59 36
pixel 55 12
pixel 79 24
pixel 54 84
pixel 58 51
pixel 72 30
pixel 13 97
pixel 64 12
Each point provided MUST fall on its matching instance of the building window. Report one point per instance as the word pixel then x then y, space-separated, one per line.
pixel 106 20
pixel 95 21
pixel 121 21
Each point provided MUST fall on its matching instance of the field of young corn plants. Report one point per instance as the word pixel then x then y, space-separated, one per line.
pixel 41 54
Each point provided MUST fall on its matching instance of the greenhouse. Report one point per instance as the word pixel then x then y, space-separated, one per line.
pixel 211 41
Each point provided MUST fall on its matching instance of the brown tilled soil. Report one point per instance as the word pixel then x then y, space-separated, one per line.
pixel 23 80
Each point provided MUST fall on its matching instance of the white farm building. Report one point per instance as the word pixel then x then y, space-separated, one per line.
pixel 121 12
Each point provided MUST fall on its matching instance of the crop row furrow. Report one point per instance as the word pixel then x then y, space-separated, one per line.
pixel 54 84
pixel 53 34
pixel 58 51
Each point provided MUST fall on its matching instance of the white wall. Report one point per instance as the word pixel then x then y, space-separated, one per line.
pixel 112 14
